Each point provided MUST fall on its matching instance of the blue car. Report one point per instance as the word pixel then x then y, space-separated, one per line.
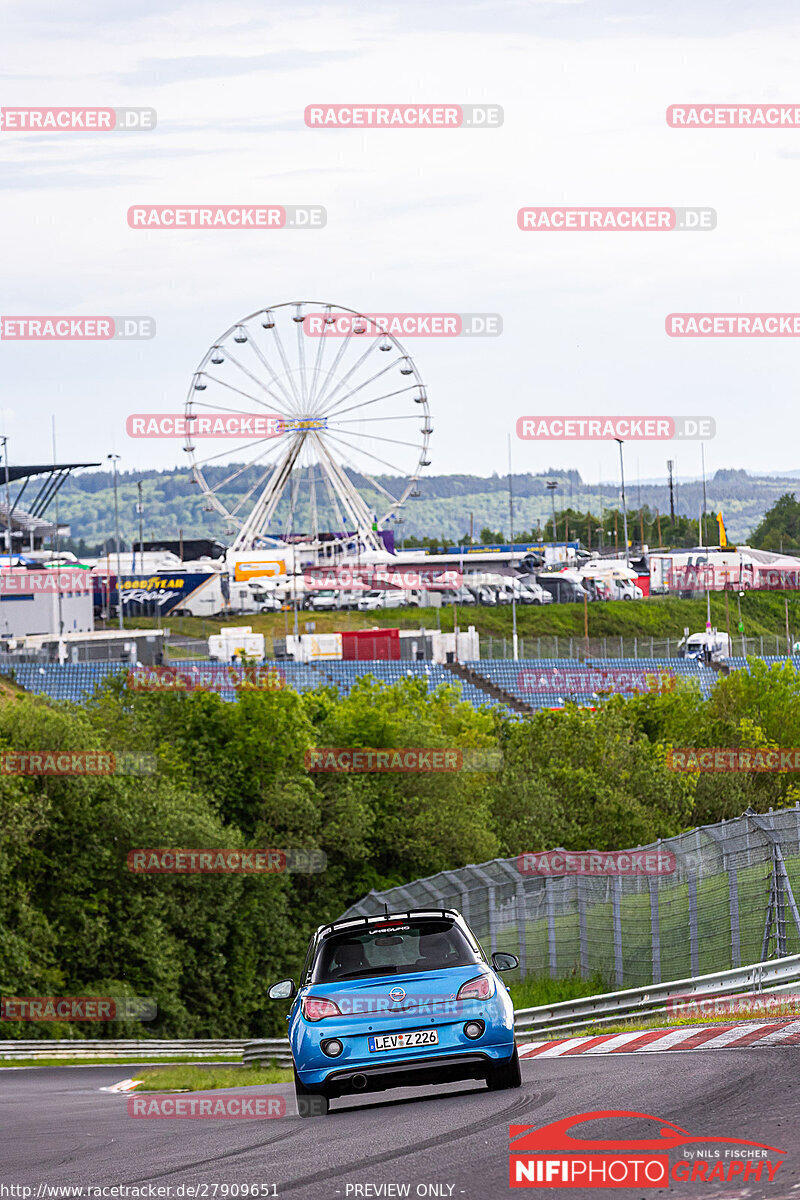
pixel 398 1000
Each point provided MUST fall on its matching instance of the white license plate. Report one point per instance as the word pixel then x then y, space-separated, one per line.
pixel 404 1041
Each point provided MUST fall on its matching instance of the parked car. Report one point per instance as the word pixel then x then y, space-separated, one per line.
pixel 325 600
pixel 563 589
pixel 348 599
pixel 484 595
pixel 623 589
pixel 460 595
pixel 531 592
pixel 404 999
pixel 269 602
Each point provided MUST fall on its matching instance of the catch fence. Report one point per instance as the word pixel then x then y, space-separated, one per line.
pixel 729 899
pixel 612 646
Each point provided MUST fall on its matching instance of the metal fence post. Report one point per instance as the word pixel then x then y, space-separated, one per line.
pixel 693 948
pixel 616 909
pixel 583 944
pixel 492 919
pixel 733 902
pixel 551 926
pixel 655 930
pixel 522 939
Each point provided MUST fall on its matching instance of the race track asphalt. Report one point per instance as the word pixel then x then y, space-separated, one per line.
pixel 58 1128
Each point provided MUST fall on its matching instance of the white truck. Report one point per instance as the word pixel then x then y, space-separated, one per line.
pixel 236 641
pixel 710 644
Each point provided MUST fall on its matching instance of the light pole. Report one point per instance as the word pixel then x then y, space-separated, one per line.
pixel 114 459
pixel 514 642
pixel 140 511
pixel 624 506
pixel 552 484
pixel 8 501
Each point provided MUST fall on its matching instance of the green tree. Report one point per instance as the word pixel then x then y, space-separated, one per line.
pixel 780 528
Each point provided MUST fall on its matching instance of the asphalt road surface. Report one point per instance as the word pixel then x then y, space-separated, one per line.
pixel 58 1128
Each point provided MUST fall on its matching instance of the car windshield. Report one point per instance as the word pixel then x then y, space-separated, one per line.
pixel 392 949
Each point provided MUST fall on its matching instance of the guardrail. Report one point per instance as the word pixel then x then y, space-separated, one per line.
pixel 268 1050
pixel 115 1048
pixel 770 978
pixel 652 1001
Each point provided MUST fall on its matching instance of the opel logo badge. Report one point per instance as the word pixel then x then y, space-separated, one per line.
pixel 397 994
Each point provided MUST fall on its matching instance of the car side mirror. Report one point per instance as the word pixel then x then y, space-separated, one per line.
pixel 283 990
pixel 504 962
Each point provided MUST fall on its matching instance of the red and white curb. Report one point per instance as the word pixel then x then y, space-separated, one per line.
pixel 125 1085
pixel 688 1037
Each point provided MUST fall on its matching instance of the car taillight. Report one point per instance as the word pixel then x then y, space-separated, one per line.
pixel 479 988
pixel 317 1008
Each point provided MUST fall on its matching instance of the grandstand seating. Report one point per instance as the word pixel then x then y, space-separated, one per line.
pixel 62 681
pixel 539 683
pixel 552 682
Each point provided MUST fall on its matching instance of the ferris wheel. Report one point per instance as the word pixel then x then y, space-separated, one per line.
pixel 330 427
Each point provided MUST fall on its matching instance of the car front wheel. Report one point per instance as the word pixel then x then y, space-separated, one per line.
pixel 505 1075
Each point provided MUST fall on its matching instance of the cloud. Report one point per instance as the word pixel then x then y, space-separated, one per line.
pixel 160 71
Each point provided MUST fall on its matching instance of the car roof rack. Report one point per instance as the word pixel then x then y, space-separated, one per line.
pixel 381 918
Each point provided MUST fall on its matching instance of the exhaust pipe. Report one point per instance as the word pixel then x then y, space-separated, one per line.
pixel 359 1081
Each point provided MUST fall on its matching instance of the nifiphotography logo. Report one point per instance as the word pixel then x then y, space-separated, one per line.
pixel 552 1156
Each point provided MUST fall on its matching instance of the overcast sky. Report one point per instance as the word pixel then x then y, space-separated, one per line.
pixel 417 220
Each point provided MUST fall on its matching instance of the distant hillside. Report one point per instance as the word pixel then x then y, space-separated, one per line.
pixel 171 502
